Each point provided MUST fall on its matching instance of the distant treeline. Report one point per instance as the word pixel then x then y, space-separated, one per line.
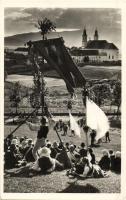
pixel 18 64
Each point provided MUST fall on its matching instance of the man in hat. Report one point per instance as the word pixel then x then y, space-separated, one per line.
pixel 43 130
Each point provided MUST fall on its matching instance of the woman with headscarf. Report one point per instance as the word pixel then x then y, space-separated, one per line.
pixel 117 162
pixel 105 161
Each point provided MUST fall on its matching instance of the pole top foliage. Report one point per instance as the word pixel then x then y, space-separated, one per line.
pixel 46 26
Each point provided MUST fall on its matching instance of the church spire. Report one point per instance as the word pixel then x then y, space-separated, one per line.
pixel 96 34
pixel 84 38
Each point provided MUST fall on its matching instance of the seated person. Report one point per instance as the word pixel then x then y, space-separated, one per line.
pixel 85 169
pixel 63 157
pixel 117 162
pixel 71 153
pixel 45 163
pixel 67 145
pixel 90 150
pixel 82 151
pixel 28 155
pixel 104 163
pixel 112 159
pixel 54 150
pixel 12 157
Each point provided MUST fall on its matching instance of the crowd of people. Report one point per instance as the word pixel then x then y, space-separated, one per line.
pixel 79 160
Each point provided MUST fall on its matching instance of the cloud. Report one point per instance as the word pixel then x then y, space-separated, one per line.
pixel 17 15
pixel 107 20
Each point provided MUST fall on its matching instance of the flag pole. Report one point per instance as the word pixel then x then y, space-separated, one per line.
pixel 85 128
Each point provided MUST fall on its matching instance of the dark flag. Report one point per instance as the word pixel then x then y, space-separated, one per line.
pixel 57 56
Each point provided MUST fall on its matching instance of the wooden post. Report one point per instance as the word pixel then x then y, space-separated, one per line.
pixel 84 96
pixel 42 94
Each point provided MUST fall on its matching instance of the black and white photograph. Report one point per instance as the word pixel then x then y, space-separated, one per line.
pixel 62 100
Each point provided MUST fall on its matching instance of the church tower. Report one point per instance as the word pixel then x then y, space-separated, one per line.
pixel 84 38
pixel 96 35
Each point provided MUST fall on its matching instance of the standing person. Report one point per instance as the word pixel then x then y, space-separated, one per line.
pixel 93 135
pixel 43 130
pixel 72 133
pixel 68 124
pixel 107 136
pixel 65 129
pixel 61 124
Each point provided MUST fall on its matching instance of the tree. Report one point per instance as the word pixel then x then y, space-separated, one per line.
pixel 117 94
pixel 100 92
pixel 15 96
pixel 46 26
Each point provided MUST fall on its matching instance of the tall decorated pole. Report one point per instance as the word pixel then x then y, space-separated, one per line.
pixel 39 90
pixel 45 26
pixel 84 98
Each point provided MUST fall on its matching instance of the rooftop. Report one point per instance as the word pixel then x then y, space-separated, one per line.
pixel 100 44
pixel 84 52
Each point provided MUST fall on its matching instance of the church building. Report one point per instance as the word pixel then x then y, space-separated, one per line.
pixel 95 50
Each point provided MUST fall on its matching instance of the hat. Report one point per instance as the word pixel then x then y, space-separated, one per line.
pixel 44 152
pixel 118 154
pixel 105 152
pixel 72 147
pixel 14 141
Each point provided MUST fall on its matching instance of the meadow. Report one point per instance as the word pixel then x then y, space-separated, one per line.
pixel 58 182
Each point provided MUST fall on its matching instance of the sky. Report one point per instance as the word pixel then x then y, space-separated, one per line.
pixel 107 21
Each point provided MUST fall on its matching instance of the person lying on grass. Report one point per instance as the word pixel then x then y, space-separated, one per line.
pixel 43 165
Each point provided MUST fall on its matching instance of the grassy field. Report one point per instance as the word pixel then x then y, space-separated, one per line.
pixel 58 181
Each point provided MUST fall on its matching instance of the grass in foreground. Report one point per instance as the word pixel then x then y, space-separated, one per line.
pixel 58 181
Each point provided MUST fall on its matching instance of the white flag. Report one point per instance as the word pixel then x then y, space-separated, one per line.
pixel 96 119
pixel 74 125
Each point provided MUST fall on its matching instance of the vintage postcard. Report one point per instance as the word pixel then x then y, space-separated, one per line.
pixel 62 78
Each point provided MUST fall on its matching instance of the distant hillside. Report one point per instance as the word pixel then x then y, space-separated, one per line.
pixel 21 39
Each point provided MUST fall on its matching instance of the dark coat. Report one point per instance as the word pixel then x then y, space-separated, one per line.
pixel 45 163
pixel 83 152
pixel 29 155
pixel 53 152
pixel 117 165
pixel 104 163
pixel 92 158
pixel 112 162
